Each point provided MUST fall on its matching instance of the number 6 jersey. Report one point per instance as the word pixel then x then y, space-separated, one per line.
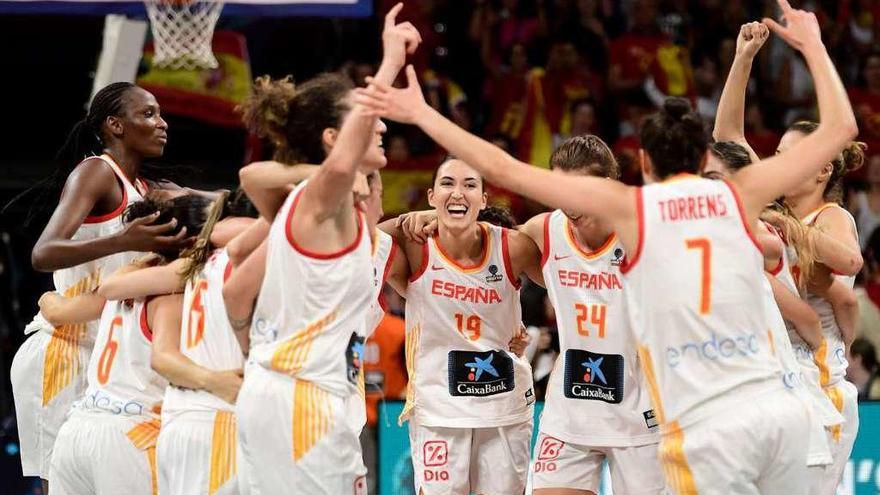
pixel 595 395
pixel 459 324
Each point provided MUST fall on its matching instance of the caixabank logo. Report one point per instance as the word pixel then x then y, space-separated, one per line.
pixel 354 357
pixel 593 376
pixel 480 374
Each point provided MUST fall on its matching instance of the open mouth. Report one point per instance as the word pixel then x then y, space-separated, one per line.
pixel 457 211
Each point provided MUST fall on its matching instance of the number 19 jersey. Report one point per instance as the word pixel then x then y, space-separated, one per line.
pixel 695 301
pixel 595 395
pixel 459 322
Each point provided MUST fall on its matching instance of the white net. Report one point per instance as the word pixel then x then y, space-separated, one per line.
pixel 182 32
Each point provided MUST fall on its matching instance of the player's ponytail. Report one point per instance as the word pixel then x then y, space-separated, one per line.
pixel 498 216
pixel 799 236
pixel 201 250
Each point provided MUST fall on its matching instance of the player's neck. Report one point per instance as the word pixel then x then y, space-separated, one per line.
pixel 129 162
pixel 461 244
pixel 806 204
pixel 591 235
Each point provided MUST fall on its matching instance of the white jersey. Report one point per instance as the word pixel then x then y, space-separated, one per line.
pixel 83 279
pixel 384 251
pixel 461 320
pixel 121 380
pixel 693 297
pixel 833 354
pixel 310 318
pixel 595 395
pixel 810 372
pixel 206 337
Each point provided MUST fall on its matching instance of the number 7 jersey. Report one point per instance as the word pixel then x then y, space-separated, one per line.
pixel 595 395
pixel 693 293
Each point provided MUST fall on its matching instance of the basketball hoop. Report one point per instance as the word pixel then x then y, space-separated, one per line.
pixel 182 32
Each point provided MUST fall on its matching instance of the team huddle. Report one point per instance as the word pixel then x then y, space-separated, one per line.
pixel 202 342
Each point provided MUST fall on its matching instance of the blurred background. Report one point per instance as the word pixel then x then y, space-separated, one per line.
pixel 525 74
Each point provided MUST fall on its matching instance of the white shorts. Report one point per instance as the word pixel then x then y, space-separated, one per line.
pixel 634 470
pixel 95 455
pixel 197 453
pixel 294 434
pixel 458 461
pixel 841 438
pixel 757 447
pixel 62 384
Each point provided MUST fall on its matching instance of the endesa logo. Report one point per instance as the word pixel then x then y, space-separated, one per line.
pixel 112 405
pixel 714 348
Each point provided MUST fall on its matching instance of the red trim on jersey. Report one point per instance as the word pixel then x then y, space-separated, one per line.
pixel 382 302
pixel 113 214
pixel 484 257
pixel 505 256
pixel 227 271
pixel 145 324
pixel 322 256
pixel 628 264
pixel 778 268
pixel 424 266
pixel 546 254
pixel 742 215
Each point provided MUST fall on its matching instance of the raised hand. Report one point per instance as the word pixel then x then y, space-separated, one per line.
pixel 751 38
pixel 801 29
pixel 398 40
pixel 400 105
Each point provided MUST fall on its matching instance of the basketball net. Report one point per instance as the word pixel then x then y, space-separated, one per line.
pixel 182 32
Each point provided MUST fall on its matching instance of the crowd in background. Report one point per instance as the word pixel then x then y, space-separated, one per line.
pixel 530 73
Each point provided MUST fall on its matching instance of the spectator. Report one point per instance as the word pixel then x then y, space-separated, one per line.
pixel 869 297
pixel 763 139
pixel 865 205
pixel 506 93
pixel 586 29
pixel 549 96
pixel 862 370
pixel 581 120
pixel 865 98
pixel 632 54
pixel 511 23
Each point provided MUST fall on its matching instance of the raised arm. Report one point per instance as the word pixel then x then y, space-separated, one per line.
pixel 761 183
pixel 836 241
pixel 731 107
pixel 587 195
pixel 59 310
pixel 164 315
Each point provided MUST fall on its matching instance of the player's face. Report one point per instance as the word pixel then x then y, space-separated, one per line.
pixel 373 202
pixel 715 167
pixel 806 187
pixel 141 125
pixel 457 194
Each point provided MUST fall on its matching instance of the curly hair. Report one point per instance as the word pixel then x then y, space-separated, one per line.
pixel 293 117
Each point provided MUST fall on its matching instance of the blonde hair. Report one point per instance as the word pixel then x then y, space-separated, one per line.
pixel 798 235
pixel 200 251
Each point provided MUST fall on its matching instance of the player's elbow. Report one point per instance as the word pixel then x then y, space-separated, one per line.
pixel 40 259
pixel 159 361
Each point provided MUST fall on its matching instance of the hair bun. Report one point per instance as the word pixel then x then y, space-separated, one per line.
pixel 676 107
